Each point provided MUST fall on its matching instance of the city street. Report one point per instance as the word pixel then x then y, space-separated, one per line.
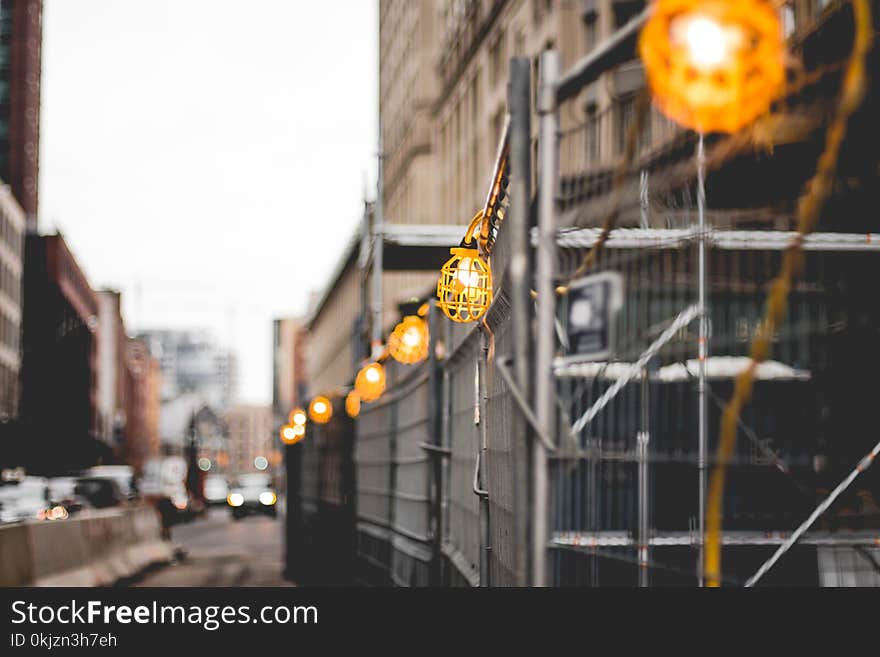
pixel 220 551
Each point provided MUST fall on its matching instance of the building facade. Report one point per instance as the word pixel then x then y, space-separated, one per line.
pixel 192 363
pixel 142 391
pixel 12 228
pixel 59 361
pixel 288 367
pixel 21 36
pixel 250 434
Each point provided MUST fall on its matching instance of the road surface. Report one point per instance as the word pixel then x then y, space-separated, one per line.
pixel 220 551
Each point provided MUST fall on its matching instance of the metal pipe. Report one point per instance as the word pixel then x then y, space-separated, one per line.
pixel 703 350
pixel 863 465
pixel 518 218
pixel 642 440
pixel 480 473
pixel 545 382
pixel 644 222
pixel 435 449
pixel 519 398
pixel 378 240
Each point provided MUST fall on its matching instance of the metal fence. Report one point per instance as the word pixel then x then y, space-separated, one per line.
pixel 450 464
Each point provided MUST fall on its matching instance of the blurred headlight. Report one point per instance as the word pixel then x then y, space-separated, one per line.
pixel 57 513
pixel 268 498
pixel 235 499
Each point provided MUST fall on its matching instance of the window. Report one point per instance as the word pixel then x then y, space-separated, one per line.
pixel 591 134
pixel 625 10
pixel 591 29
pixel 497 124
pixel 497 64
pixel 789 19
pixel 519 44
pixel 626 114
pixel 540 9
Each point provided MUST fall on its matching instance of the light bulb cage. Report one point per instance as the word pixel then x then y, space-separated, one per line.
pixel 727 96
pixel 409 352
pixel 320 410
pixel 465 300
pixel 366 389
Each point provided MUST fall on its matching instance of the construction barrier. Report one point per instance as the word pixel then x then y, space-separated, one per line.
pixel 97 549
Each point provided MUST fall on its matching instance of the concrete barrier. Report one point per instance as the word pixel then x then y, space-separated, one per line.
pixel 95 548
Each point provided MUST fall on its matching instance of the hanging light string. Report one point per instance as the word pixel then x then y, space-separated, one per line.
pixel 809 208
pixel 758 133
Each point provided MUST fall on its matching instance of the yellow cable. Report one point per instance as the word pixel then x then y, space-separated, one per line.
pixel 809 207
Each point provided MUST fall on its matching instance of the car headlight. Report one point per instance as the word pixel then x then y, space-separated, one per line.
pixel 57 513
pixel 267 498
pixel 235 499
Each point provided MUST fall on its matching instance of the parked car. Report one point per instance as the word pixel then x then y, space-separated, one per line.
pixel 216 490
pixel 123 475
pixel 101 492
pixel 62 492
pixel 253 493
pixel 27 499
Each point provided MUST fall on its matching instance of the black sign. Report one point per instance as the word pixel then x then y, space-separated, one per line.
pixel 593 304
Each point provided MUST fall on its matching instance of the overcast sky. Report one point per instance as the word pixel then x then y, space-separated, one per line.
pixel 210 153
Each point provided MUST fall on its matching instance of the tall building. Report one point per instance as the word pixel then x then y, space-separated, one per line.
pixel 59 361
pixel 21 36
pixel 250 434
pixel 12 227
pixel 191 362
pixel 288 367
pixel 142 382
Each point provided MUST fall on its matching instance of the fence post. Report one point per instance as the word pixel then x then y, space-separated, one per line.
pixel 545 384
pixel 435 436
pixel 518 220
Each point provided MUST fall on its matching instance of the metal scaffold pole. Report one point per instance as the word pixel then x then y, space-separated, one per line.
pixel 378 244
pixel 642 441
pixel 546 312
pixel 519 102
pixel 703 350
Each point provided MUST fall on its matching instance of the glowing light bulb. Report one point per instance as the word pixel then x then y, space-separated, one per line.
pixel 320 407
pixel 467 277
pixel 372 375
pixel 708 43
pixel 412 337
pixel 298 416
pixel 298 430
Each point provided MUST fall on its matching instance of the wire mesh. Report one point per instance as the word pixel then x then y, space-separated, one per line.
pixel 461 540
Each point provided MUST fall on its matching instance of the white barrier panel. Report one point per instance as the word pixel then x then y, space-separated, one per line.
pixel 93 549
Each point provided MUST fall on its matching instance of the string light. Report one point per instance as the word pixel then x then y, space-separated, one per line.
pixel 408 342
pixel 352 404
pixel 320 410
pixel 370 382
pixel 297 416
pixel 713 65
pixel 291 434
pixel 464 289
